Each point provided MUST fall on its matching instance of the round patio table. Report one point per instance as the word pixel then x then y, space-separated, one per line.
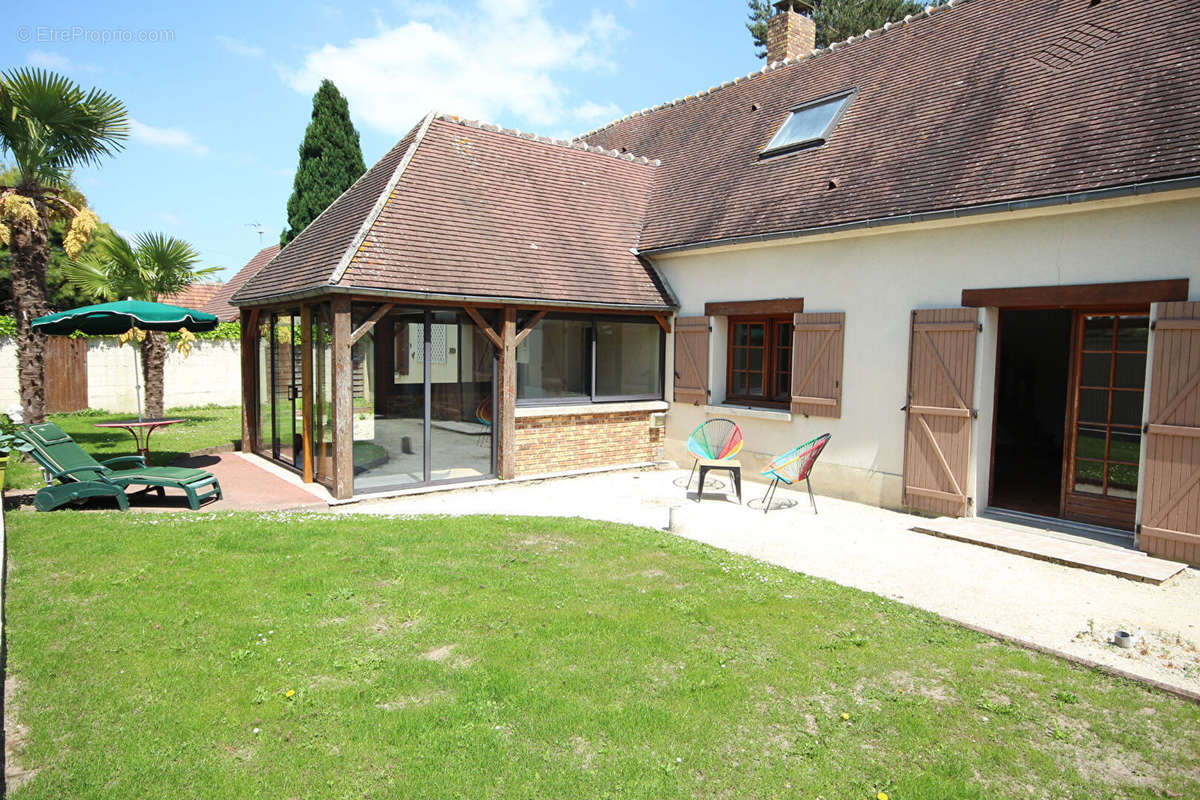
pixel 141 429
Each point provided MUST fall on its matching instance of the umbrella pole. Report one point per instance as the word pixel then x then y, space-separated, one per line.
pixel 137 375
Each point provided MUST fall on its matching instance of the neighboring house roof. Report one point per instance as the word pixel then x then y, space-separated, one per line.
pixel 463 210
pixel 219 303
pixel 194 295
pixel 985 102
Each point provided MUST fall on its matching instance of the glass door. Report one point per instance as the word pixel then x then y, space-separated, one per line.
pixel 285 361
pixel 1106 426
pixel 424 383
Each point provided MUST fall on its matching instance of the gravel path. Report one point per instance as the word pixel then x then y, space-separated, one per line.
pixel 869 548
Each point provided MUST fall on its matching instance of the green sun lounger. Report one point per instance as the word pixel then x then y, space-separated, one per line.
pixel 80 476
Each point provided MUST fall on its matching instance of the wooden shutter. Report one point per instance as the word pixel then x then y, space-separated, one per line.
pixel 691 360
pixel 1171 496
pixel 66 374
pixel 941 390
pixel 817 363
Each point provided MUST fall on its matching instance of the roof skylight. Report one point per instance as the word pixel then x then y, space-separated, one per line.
pixel 808 125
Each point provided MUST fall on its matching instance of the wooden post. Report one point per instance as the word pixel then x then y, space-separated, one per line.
pixel 343 401
pixel 506 416
pixel 249 320
pixel 306 390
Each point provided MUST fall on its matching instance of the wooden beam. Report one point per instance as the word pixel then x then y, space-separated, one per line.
pixel 306 390
pixel 483 326
pixel 781 305
pixel 663 322
pixel 343 401
pixel 249 320
pixel 528 329
pixel 377 315
pixel 1080 295
pixel 505 423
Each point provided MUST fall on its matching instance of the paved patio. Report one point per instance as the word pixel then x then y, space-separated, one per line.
pixel 1050 605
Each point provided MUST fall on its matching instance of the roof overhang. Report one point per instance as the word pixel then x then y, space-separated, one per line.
pixel 442 298
pixel 951 214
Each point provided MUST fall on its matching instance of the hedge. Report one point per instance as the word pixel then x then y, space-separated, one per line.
pixel 225 331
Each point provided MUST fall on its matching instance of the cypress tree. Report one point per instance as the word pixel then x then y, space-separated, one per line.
pixel 330 160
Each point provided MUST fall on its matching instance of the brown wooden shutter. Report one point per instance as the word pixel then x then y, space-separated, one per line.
pixel 817 363
pixel 941 390
pixel 691 360
pixel 1171 496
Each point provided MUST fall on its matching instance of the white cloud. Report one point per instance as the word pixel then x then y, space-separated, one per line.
pixel 499 59
pixel 596 112
pixel 240 48
pixel 57 62
pixel 168 217
pixel 170 138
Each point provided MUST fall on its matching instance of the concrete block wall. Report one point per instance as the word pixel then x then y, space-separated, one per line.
pixel 210 374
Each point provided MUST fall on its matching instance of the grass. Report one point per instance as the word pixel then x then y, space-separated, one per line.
pixel 205 426
pixel 292 655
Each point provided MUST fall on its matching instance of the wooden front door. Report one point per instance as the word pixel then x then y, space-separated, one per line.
pixel 1104 427
pixel 940 414
pixel 66 374
pixel 1171 498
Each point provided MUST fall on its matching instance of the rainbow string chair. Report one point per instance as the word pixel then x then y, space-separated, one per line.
pixel 483 415
pixel 714 440
pixel 794 466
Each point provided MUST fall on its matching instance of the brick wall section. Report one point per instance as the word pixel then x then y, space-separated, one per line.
pixel 559 443
pixel 790 35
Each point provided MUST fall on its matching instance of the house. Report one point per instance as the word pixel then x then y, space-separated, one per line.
pixel 194 295
pixel 218 304
pixel 963 244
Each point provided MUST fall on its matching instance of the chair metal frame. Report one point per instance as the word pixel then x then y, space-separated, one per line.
pixel 810 451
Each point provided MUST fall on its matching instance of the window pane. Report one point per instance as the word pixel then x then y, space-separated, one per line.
pixel 1091 442
pixel 1093 405
pixel 1131 370
pixel 1089 477
pixel 1122 480
pixel 806 124
pixel 1133 333
pixel 755 359
pixel 754 384
pixel 740 384
pixel 553 362
pixel 755 337
pixel 741 334
pixel 1127 408
pixel 1125 446
pixel 1097 333
pixel 628 359
pixel 740 359
pixel 783 334
pixel 1096 369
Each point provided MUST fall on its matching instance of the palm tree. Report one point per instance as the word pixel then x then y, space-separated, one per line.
pixel 153 266
pixel 50 125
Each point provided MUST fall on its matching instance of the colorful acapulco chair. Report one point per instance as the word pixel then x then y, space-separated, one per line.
pixel 714 440
pixel 483 415
pixel 794 466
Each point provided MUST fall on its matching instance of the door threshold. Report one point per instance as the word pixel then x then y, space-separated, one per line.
pixel 1062 528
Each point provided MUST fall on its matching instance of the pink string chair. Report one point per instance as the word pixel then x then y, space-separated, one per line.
pixel 794 466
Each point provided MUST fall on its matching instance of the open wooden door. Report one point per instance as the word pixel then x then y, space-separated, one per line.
pixel 691 360
pixel 1171 495
pixel 940 414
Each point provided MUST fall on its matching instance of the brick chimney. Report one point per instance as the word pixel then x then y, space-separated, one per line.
pixel 791 33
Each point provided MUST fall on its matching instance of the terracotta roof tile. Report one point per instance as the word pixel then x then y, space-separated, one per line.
pixel 219 303
pixel 966 106
pixel 194 295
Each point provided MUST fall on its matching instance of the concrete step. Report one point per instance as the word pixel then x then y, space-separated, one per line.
pixel 1129 564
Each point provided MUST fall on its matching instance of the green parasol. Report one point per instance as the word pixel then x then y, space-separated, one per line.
pixel 110 319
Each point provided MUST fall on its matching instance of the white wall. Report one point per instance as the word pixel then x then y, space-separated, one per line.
pixel 209 375
pixel 877 279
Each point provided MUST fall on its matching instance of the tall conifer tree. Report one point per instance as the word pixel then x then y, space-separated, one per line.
pixel 836 19
pixel 330 160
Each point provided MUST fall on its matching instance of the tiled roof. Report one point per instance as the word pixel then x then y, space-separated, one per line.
pixel 219 303
pixel 985 102
pixel 310 259
pixel 478 211
pixel 481 212
pixel 194 295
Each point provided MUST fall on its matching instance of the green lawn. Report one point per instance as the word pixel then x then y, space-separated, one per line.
pixel 279 656
pixel 206 426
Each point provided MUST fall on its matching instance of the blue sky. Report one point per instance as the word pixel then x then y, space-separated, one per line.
pixel 220 93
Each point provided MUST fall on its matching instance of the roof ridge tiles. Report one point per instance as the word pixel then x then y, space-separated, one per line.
pixel 570 144
pixel 927 11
